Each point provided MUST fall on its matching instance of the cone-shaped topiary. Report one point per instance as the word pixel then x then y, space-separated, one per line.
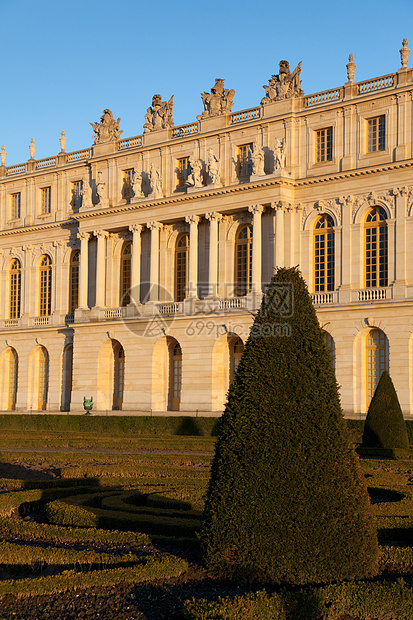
pixel 385 426
pixel 286 501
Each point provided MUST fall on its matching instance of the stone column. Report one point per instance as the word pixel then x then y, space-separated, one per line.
pixel 344 259
pixel 213 218
pixel 193 221
pixel 154 227
pixel 100 268
pixel 83 271
pixel 279 233
pixel 256 211
pixel 400 249
pixel 135 280
pixel 25 282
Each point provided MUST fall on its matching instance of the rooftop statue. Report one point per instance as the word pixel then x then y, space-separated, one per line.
pixel 219 101
pixel 108 129
pixel 285 85
pixel 159 116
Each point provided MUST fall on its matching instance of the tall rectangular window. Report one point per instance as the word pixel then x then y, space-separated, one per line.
pixel 77 195
pixel 184 170
pixel 324 144
pixel 244 160
pixel 15 206
pixel 127 184
pixel 376 130
pixel 45 205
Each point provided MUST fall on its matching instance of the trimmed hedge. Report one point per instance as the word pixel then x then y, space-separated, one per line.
pixel 385 427
pixel 381 601
pixel 112 425
pixel 287 501
pixel 25 501
pixel 148 569
pixel 70 513
pixel 60 534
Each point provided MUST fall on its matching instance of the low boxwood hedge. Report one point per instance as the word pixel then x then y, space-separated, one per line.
pixel 380 600
pixel 148 569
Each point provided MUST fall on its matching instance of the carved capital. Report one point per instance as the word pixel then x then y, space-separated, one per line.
pixel 154 225
pixel 282 205
pixel 192 219
pixel 403 191
pixel 213 216
pixel 256 209
pixel 27 248
pixel 101 233
pixel 135 228
pixel 83 236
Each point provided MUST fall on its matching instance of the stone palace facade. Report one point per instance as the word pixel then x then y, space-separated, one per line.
pixel 131 270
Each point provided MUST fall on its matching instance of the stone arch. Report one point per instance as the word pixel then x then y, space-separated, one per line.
pixel 311 219
pixel 220 369
pixel 109 375
pixel 360 363
pixel 9 377
pixel 173 234
pixel 239 220
pixel 360 214
pixel 162 373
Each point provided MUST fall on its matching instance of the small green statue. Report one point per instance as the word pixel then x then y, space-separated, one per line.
pixel 88 404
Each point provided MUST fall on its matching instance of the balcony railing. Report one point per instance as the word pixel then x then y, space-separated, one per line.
pixel 78 155
pixel 368 86
pixel 185 130
pixel 114 313
pixel 245 115
pixel 11 323
pixel 130 143
pixel 374 294
pixel 321 299
pixel 327 96
pixel 18 169
pixel 170 308
pixel 49 162
pixel 40 321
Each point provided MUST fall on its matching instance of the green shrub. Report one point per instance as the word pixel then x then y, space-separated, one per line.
pixel 70 513
pixel 114 425
pixel 385 427
pixel 287 500
pixel 25 501
pixel 57 533
pixel 381 601
pixel 148 569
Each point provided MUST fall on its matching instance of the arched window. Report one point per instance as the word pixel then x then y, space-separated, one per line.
pixel 125 274
pixel 329 340
pixel 119 376
pixel 376 248
pixel 175 376
pixel 15 289
pixel 181 267
pixel 377 359
pixel 45 308
pixel 12 363
pixel 236 349
pixel 324 254
pixel 74 281
pixel 43 379
pixel 243 261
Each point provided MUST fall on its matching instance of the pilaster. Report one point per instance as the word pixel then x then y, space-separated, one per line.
pixel 193 221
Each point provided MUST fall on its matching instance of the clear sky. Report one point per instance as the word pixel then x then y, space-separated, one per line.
pixel 64 61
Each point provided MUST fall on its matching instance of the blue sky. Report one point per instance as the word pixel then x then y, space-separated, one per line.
pixel 64 61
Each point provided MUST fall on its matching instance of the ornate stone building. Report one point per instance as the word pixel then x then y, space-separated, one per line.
pixel 131 269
